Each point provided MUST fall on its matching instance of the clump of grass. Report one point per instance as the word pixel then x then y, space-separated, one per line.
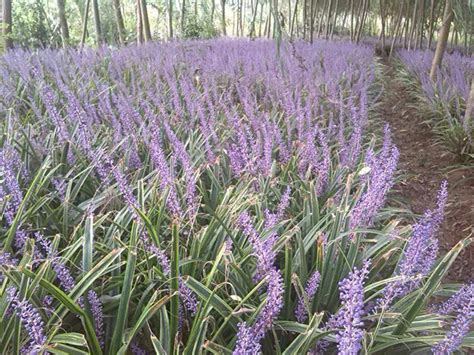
pixel 443 101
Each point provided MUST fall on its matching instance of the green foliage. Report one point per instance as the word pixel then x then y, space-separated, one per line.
pixel 199 27
pixel 33 26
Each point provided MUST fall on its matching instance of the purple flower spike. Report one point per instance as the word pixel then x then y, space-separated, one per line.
pixel 349 316
pixel 261 249
pixel 29 317
pixel 188 297
pixel 96 309
pixel 246 344
pixel 310 290
pixel 248 338
pixel 420 252
pixel 462 304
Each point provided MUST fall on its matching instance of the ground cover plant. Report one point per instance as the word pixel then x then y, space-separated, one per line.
pixel 443 101
pixel 222 196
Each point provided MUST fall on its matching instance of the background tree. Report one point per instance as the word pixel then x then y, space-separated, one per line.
pixel 7 23
pixel 63 21
pixel 119 19
pixel 223 23
pixel 443 38
pixel 170 18
pixel 98 28
pixel 145 21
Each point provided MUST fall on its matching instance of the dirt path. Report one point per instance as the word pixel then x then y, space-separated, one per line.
pixel 423 165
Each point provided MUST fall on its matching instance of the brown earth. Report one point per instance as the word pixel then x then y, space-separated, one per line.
pixel 424 164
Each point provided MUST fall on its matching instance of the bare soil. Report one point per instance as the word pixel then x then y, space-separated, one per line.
pixel 424 164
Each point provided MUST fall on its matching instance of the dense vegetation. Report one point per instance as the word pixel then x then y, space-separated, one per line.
pixel 443 101
pixel 172 198
pixel 231 195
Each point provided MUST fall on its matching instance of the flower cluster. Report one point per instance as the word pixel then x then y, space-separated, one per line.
pixel 462 305
pixel 349 317
pixel 29 318
pixel 420 252
pixel 309 290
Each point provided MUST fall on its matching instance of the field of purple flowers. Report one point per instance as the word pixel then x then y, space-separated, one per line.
pixel 222 196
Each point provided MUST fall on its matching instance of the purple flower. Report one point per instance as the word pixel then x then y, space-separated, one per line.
pixel 6 260
pixel 164 173
pixel 29 317
pixel 248 338
pixel 462 304
pixel 63 274
pixel 246 343
pixel 97 315
pixel 9 165
pixel 125 189
pixel 379 181
pixel 322 166
pixel 273 302
pixel 187 296
pixel 136 350
pixel 160 255
pixel 453 303
pixel 420 252
pixel 309 290
pixel 185 160
pixel 271 219
pixel 262 249
pixel 349 316
pixel 60 187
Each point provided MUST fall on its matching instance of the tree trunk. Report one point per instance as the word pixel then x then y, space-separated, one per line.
pixel 269 19
pixel 145 21
pixel 289 16
pixel 430 34
pixel 139 22
pixel 242 17
pixel 213 8
pixel 314 3
pixel 84 27
pixel 254 18
pixel 419 42
pixel 98 29
pixel 352 20
pixel 183 12
pixel 170 18
pixel 321 19
pixel 119 19
pixel 405 30
pixel 305 14
pixel 442 38
pixel 63 22
pixel 7 24
pixel 362 20
pixel 382 18
pixel 397 27
pixel 334 21
pixel 343 25
pixel 224 32
pixel 261 20
pixel 328 20
pixel 413 24
pixel 235 28
pixel 293 20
